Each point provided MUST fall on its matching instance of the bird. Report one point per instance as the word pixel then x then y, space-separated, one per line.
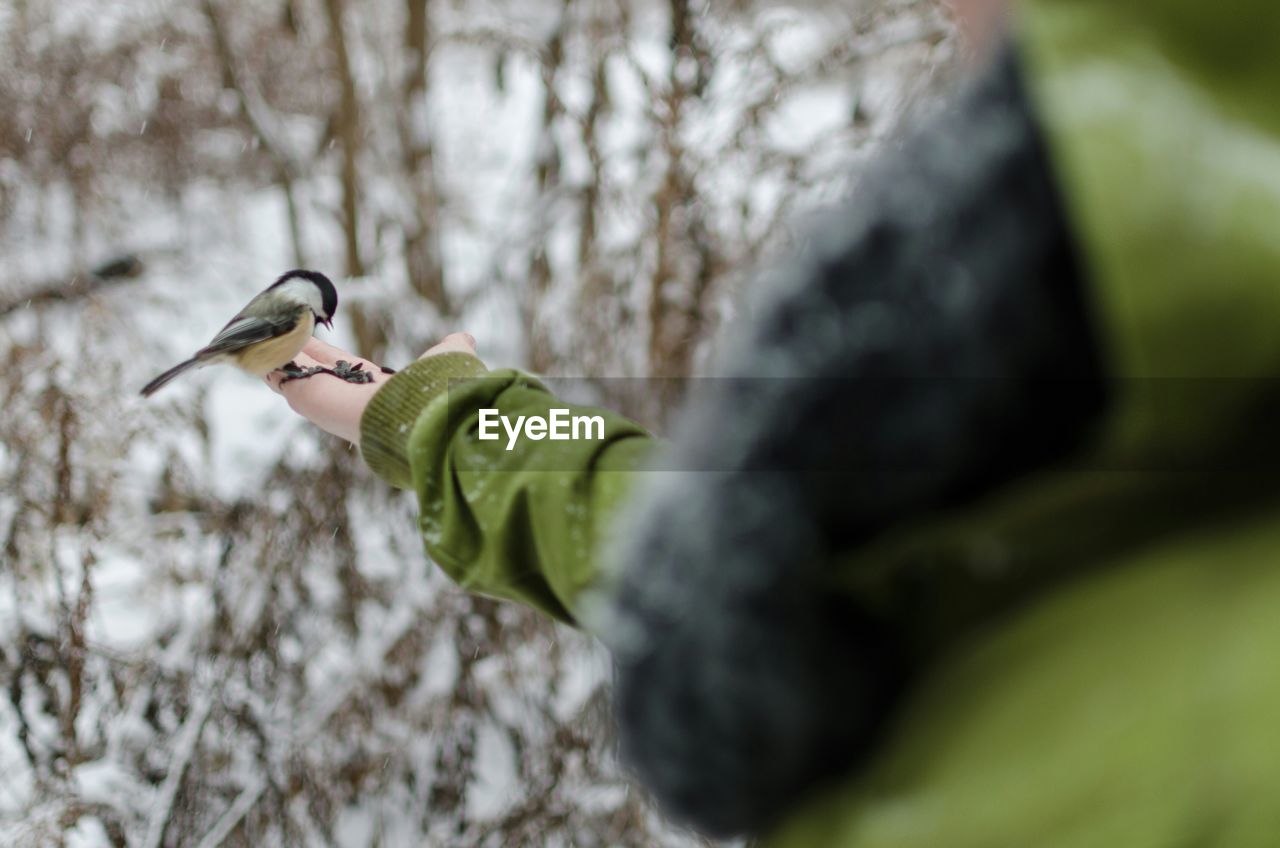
pixel 269 332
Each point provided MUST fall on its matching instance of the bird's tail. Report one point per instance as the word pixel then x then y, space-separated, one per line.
pixel 155 385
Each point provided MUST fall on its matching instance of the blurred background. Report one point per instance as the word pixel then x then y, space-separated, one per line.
pixel 216 627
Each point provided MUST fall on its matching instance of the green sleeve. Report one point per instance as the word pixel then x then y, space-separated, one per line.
pixel 524 524
pixel 1164 124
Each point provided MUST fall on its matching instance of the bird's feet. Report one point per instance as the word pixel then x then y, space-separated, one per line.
pixel 294 371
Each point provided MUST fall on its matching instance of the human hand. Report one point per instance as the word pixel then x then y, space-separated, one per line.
pixel 334 405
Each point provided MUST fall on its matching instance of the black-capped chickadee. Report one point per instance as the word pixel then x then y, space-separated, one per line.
pixel 270 331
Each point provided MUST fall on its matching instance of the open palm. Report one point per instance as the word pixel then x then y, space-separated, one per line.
pixel 335 405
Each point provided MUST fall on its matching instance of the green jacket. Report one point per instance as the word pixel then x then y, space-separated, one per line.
pixel 523 524
pixel 1134 704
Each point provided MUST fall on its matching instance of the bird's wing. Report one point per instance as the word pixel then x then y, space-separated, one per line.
pixel 246 330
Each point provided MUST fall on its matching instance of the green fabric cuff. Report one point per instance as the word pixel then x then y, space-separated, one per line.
pixel 389 418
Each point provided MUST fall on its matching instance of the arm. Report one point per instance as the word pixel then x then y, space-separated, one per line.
pixel 522 524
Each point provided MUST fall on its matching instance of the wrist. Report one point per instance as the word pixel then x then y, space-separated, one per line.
pixel 388 421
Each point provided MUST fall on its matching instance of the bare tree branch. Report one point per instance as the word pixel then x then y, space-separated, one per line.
pixel 184 749
pixel 259 116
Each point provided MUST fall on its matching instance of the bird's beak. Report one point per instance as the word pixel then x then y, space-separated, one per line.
pixel 328 323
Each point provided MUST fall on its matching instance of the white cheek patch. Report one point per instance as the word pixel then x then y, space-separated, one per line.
pixel 303 291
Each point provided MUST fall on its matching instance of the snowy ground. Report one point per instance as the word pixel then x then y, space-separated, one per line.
pixel 215 626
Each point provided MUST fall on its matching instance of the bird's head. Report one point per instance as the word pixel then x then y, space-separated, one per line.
pixel 313 289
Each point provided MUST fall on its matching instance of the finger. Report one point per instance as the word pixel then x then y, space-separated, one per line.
pixel 454 342
pixel 329 356
pixel 325 353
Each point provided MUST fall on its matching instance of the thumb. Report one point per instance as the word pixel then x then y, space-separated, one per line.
pixel 453 343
